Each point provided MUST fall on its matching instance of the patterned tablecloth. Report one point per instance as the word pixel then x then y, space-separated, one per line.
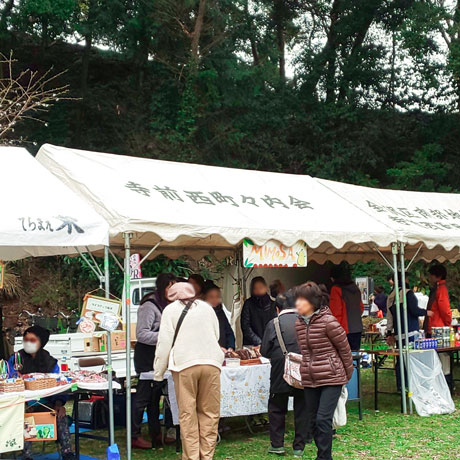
pixel 244 391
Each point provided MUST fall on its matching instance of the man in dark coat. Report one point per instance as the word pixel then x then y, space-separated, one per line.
pixel 279 388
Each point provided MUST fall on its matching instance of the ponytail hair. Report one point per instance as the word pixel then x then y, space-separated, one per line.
pixel 324 296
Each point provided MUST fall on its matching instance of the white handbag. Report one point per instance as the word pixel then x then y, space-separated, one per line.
pixel 340 414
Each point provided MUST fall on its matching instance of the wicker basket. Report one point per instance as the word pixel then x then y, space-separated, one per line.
pixel 11 387
pixel 40 384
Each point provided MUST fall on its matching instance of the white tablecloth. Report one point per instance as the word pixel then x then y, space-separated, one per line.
pixel 40 394
pixel 244 391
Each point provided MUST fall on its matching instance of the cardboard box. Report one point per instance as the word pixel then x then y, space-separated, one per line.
pixel 92 343
pixel 117 340
pixel 133 332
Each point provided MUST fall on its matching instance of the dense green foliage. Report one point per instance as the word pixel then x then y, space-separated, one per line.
pixel 360 91
pixel 365 92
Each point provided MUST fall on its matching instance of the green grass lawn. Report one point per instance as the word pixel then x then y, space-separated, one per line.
pixel 384 435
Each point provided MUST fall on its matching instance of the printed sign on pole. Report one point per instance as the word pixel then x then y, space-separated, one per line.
pixel 134 267
pixel 274 254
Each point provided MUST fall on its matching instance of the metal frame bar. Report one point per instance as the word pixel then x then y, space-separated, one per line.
pixel 406 326
pixel 116 260
pixel 148 255
pixel 97 272
pixel 413 258
pixel 109 349
pixel 394 248
pixel 96 266
pixel 127 297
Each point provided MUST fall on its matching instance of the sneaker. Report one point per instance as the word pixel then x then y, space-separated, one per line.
pixel 140 443
pixel 297 453
pixel 276 450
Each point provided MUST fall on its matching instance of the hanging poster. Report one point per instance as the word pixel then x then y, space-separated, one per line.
pixel 274 254
pixel 94 308
pixel 134 267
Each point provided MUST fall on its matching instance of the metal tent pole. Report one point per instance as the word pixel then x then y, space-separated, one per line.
pixel 127 289
pixel 406 326
pixel 109 348
pixel 394 250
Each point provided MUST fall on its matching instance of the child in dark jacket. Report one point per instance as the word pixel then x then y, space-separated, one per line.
pixel 280 390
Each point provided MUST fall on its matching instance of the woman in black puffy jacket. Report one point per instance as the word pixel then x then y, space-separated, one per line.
pixel 257 311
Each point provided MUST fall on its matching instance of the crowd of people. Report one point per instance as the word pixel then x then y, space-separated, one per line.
pixel 184 327
pixel 190 338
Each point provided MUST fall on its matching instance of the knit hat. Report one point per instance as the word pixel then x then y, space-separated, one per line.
pixel 42 333
pixel 181 291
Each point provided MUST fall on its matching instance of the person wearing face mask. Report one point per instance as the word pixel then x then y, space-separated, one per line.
pixel 34 358
pixel 257 312
pixel 327 362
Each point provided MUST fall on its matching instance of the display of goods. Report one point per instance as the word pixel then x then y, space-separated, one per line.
pixel 244 354
pixel 38 381
pixel 87 377
pixel 13 385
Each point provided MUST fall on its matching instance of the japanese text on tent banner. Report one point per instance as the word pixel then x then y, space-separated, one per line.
pixel 434 219
pixel 217 198
pixel 274 254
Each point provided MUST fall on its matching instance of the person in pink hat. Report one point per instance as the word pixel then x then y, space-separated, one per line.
pixel 188 345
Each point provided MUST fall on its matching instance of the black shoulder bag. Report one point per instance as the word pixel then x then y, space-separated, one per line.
pixel 181 319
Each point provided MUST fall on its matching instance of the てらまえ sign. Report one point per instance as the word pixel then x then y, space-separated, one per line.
pixel 274 254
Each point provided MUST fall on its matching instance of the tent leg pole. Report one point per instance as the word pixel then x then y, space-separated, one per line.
pixel 398 322
pixel 127 286
pixel 406 326
pixel 109 348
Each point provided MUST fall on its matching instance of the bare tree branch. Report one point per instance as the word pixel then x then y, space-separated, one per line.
pixel 24 96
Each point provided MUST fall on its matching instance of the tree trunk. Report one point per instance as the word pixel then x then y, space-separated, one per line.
pixel 329 51
pixel 254 50
pixel 196 35
pixel 278 16
pixel 365 17
pixel 332 53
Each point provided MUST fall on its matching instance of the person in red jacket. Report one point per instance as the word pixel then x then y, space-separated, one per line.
pixel 346 305
pixel 440 306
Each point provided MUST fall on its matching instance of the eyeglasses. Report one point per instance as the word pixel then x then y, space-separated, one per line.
pixel 30 339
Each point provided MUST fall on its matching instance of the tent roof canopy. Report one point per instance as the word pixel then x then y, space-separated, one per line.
pixel 425 221
pixel 40 215
pixel 193 209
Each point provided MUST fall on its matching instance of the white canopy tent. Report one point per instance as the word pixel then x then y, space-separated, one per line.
pixel 194 209
pixel 40 215
pixel 428 224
